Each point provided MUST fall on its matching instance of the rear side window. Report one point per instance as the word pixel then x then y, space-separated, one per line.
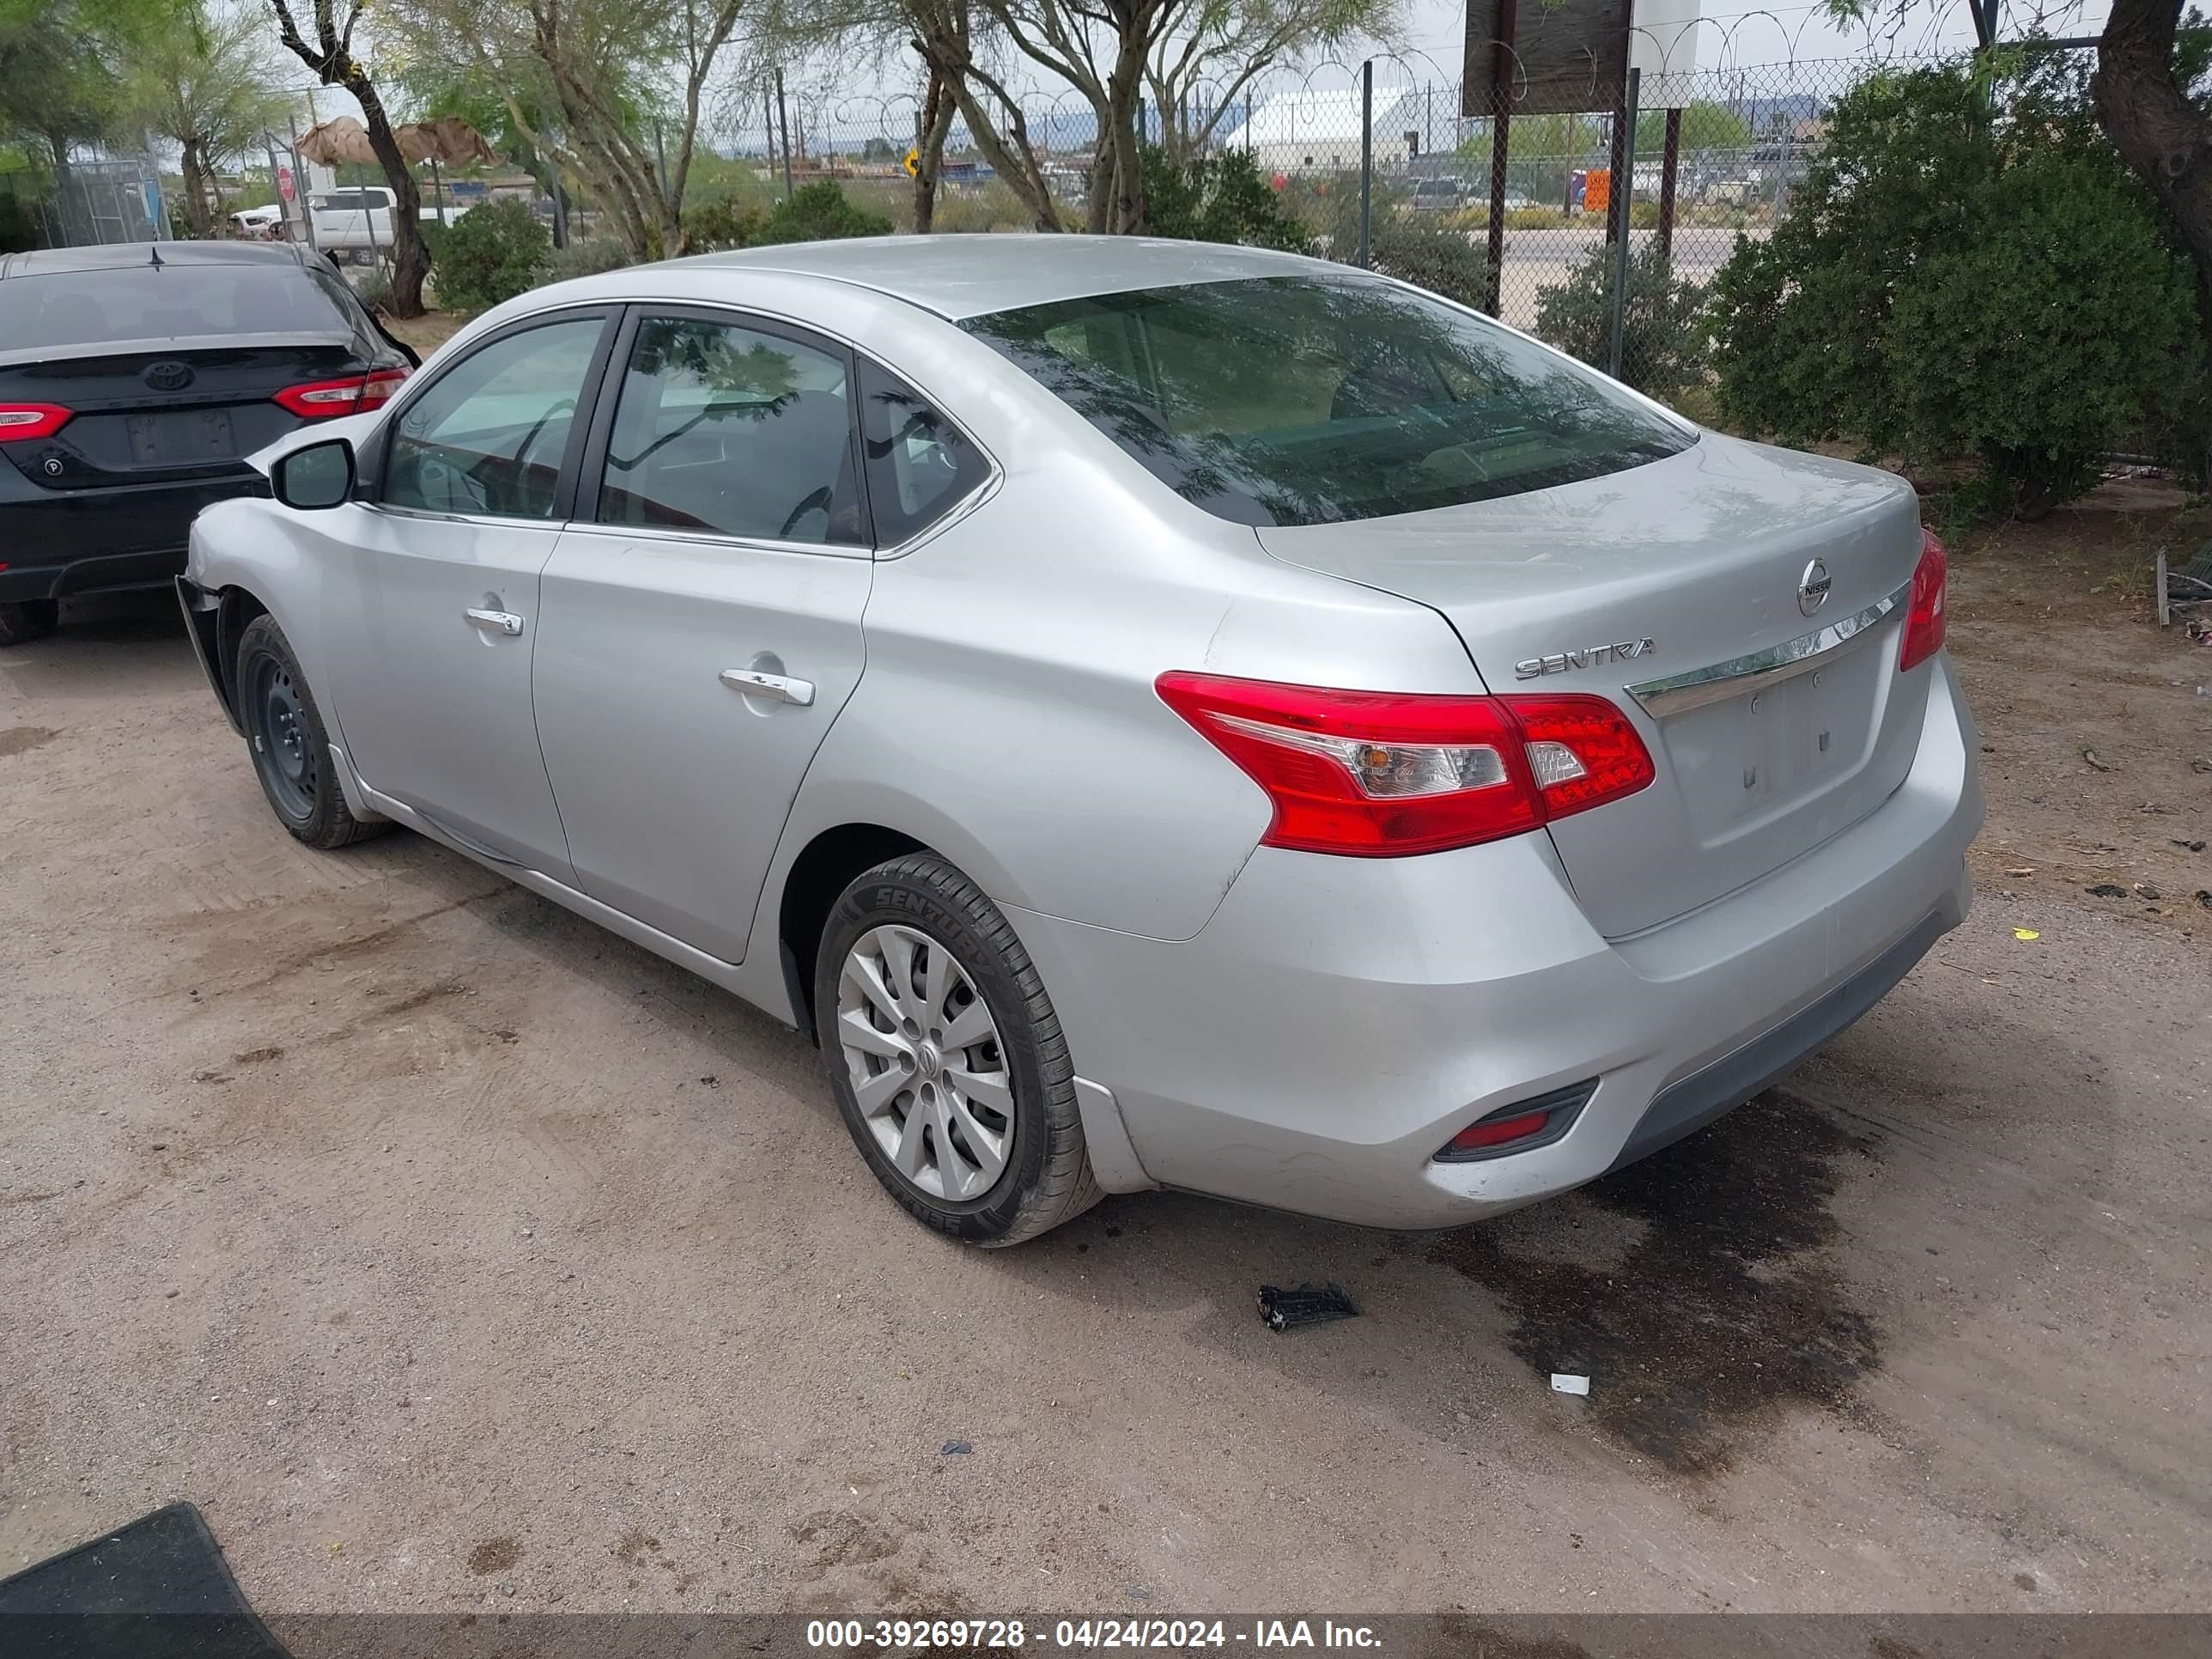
pixel 172 301
pixel 488 436
pixel 920 466
pixel 732 431
pixel 1286 400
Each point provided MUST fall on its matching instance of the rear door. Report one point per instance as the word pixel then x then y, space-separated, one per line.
pixel 436 614
pixel 701 618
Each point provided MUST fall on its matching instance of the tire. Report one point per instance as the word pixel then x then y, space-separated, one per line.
pixel 901 914
pixel 22 621
pixel 291 747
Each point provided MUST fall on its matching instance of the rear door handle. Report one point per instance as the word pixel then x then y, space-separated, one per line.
pixel 495 621
pixel 779 688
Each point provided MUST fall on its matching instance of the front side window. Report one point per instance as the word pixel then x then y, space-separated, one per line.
pixel 489 436
pixel 920 465
pixel 731 431
pixel 1288 400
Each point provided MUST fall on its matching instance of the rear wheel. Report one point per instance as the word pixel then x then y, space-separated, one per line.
pixel 291 749
pixel 24 620
pixel 947 1058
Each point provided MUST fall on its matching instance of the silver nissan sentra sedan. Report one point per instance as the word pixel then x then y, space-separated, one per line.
pixel 1161 714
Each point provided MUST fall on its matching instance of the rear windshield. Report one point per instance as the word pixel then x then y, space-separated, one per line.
pixel 175 301
pixel 1286 400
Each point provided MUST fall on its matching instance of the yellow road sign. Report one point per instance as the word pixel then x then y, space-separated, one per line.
pixel 913 163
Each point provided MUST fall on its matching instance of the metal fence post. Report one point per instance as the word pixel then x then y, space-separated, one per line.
pixel 1623 188
pixel 783 120
pixel 1366 163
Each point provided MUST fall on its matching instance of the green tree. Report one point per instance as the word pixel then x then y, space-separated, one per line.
pixel 208 91
pixel 1945 285
pixel 329 53
pixel 1705 125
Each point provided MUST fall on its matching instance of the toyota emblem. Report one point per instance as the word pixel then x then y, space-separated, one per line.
pixel 170 376
pixel 1812 587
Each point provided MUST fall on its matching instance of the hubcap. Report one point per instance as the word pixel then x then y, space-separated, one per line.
pixel 926 1064
pixel 282 751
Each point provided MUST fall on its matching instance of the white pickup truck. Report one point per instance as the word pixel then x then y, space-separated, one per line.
pixel 357 217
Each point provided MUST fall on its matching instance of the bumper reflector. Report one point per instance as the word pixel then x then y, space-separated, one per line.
pixel 1520 1127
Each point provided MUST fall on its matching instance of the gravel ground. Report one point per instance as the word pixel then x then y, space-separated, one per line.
pixel 449 1252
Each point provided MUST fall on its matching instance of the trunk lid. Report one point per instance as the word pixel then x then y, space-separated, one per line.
pixel 167 412
pixel 1686 570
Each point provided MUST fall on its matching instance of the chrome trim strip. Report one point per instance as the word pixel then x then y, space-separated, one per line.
pixel 1738 675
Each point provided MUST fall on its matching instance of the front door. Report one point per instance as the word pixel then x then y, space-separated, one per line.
pixel 700 621
pixel 432 658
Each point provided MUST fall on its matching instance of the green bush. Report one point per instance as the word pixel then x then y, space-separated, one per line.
pixel 1665 343
pixel 1219 198
pixel 1415 249
pixel 1948 285
pixel 491 253
pixel 715 225
pixel 586 256
pixel 19 230
pixel 818 212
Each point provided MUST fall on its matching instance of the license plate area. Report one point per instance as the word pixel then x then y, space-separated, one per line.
pixel 1785 742
pixel 183 437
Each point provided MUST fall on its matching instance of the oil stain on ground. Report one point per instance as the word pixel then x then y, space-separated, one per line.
pixel 1712 1322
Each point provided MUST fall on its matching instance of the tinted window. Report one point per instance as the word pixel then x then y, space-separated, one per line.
pixel 734 432
pixel 488 436
pixel 919 464
pixel 173 302
pixel 1313 400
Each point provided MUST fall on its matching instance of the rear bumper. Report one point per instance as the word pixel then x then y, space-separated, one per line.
pixel 54 544
pixel 1338 1020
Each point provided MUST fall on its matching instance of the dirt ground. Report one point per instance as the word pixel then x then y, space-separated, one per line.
pixel 451 1253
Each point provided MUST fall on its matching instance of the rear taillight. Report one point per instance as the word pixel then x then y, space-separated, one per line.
pixel 21 421
pixel 322 400
pixel 1923 623
pixel 1382 774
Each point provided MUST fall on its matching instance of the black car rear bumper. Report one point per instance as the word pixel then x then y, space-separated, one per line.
pixel 54 542
pixel 99 573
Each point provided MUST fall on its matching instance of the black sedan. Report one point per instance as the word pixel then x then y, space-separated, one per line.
pixel 134 381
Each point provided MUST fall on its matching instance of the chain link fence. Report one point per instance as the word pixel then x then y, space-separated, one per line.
pixel 1518 214
pixel 97 200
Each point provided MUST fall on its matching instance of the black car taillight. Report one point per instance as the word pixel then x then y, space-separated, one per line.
pixel 356 394
pixel 21 420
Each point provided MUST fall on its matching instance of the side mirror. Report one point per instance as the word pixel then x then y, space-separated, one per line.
pixel 316 477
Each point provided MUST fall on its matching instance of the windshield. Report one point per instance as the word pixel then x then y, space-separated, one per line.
pixel 1286 400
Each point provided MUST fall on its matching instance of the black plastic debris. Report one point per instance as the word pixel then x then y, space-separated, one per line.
pixel 955 1448
pixel 1282 1310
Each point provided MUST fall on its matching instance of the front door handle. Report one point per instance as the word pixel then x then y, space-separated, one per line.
pixel 495 621
pixel 778 688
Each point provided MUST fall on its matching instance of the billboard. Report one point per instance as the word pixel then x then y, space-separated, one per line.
pixel 1572 56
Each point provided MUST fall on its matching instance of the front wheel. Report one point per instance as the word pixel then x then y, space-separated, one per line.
pixel 291 749
pixel 946 1056
pixel 22 621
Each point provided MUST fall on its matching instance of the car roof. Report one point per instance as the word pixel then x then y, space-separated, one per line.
pixel 960 277
pixel 123 256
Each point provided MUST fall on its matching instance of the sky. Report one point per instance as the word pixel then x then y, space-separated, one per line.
pixel 1765 34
